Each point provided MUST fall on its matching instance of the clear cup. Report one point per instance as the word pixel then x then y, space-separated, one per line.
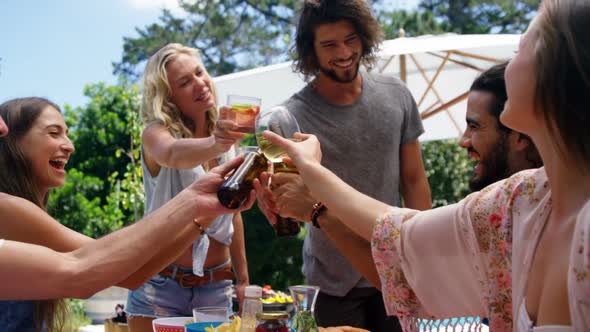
pixel 210 314
pixel 243 112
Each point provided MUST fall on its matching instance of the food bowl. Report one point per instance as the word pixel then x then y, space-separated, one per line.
pixel 170 324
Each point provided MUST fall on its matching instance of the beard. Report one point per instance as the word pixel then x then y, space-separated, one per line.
pixel 348 76
pixel 494 167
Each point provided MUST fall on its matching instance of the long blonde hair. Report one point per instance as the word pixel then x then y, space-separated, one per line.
pixel 156 105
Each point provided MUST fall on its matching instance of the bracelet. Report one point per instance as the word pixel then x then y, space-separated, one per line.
pixel 199 226
pixel 318 208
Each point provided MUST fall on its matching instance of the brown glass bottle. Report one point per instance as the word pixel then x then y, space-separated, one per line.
pixel 285 226
pixel 234 192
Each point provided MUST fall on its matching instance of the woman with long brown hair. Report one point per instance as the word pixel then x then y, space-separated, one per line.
pixel 32 160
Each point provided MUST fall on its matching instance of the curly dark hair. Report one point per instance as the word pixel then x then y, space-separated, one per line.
pixel 317 12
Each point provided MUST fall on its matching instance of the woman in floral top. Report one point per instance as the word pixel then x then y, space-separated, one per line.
pixel 518 252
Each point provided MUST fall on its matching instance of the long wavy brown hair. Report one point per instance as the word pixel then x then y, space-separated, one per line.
pixel 562 59
pixel 16 179
pixel 318 12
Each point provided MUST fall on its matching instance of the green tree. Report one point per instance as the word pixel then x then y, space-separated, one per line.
pixel 448 169
pixel 271 260
pixel 414 23
pixel 231 34
pixel 104 190
pixel 482 16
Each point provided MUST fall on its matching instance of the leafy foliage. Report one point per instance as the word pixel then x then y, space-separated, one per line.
pixel 76 316
pixel 448 169
pixel 104 191
pixel 413 23
pixel 231 34
pixel 482 16
pixel 272 260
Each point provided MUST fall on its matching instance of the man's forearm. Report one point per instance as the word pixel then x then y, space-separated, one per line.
pixel 417 194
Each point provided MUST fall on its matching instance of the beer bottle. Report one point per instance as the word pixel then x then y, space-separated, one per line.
pixel 285 226
pixel 234 192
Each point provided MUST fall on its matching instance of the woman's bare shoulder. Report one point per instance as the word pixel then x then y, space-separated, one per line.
pixel 13 206
pixel 7 201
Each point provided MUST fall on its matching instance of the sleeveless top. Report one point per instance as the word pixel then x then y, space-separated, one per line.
pixel 168 183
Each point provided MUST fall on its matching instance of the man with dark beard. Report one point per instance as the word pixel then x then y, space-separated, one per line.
pixel 369 126
pixel 498 150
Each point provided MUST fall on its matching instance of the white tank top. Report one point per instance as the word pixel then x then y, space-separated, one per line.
pixel 168 183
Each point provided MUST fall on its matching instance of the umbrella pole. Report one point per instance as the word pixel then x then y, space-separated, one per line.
pixel 403 73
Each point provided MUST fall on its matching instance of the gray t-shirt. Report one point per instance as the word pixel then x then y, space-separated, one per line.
pixel 361 144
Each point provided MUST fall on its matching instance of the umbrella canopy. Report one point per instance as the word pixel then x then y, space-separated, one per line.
pixel 437 69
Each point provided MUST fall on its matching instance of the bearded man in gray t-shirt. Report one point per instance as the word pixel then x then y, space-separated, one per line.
pixel 368 126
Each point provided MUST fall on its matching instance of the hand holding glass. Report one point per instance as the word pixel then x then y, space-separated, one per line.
pixel 243 112
pixel 278 120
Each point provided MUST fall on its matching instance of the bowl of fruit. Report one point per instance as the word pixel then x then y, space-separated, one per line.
pixel 275 300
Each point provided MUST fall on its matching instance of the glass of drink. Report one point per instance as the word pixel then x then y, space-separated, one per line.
pixel 278 120
pixel 243 112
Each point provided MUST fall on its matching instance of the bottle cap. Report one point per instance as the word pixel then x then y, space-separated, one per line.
pixel 253 291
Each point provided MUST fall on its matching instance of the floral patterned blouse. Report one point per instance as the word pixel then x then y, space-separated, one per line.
pixel 473 258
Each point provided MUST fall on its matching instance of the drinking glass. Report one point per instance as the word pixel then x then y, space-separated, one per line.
pixel 278 120
pixel 243 112
pixel 210 314
pixel 281 122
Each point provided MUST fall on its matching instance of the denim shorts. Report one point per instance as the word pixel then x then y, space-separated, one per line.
pixel 164 297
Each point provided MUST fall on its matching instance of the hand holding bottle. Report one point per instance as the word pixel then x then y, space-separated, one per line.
pixel 206 189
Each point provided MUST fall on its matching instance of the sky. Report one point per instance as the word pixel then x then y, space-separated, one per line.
pixel 54 48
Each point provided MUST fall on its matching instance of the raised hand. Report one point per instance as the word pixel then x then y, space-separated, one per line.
pixel 224 133
pixel 293 198
pixel 303 152
pixel 266 202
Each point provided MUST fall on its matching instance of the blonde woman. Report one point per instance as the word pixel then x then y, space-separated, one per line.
pixel 45 261
pixel 182 140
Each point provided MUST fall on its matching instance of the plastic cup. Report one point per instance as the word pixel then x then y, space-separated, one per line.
pixel 210 314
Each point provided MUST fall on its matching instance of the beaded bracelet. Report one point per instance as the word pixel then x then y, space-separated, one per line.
pixel 318 208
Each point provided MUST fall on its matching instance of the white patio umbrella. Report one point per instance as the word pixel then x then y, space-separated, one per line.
pixel 437 69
